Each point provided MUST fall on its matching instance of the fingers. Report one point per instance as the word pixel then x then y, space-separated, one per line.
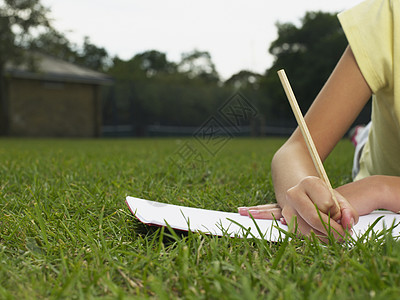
pixel 266 211
pixel 349 216
pixel 321 225
pixel 320 195
pixel 311 202
pixel 270 214
pixel 311 205
pixel 304 207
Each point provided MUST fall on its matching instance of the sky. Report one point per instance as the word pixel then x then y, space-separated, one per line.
pixel 237 33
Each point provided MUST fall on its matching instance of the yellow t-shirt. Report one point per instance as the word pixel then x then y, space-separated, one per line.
pixel 373 31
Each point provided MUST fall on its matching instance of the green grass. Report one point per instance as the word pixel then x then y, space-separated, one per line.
pixel 66 232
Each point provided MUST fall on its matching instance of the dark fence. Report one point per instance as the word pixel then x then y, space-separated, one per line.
pixel 177 131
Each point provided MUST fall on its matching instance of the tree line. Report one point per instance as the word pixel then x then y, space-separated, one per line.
pixel 151 90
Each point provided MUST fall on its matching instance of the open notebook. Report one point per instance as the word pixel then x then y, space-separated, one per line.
pixel 224 223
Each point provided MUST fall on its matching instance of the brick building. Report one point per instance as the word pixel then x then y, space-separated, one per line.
pixel 58 99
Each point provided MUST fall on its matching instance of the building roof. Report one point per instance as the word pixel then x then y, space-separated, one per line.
pixel 50 68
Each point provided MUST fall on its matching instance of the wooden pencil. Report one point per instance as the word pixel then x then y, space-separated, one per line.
pixel 306 133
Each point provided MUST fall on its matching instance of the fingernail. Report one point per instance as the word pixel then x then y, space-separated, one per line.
pixel 283 221
pixel 351 222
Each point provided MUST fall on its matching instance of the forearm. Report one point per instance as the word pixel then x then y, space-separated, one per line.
pixel 290 165
pixel 333 111
pixel 372 193
pixel 297 188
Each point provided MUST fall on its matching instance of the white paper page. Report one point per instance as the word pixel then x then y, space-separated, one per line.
pixel 218 222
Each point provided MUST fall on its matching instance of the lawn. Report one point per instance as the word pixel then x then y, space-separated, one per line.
pixel 66 232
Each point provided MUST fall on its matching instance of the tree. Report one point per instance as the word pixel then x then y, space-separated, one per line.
pixel 244 80
pixel 198 65
pixel 309 53
pixel 55 43
pixel 93 57
pixel 153 63
pixel 150 90
pixel 138 88
pixel 17 21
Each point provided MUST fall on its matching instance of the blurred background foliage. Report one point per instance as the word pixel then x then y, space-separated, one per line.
pixel 149 90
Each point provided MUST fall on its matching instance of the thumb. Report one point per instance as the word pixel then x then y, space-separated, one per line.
pixel 349 216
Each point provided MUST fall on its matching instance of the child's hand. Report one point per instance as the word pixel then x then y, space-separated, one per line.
pixel 301 202
pixel 311 192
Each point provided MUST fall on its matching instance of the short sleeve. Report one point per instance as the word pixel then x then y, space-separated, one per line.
pixel 369 31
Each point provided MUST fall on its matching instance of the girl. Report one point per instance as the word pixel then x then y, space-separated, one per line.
pixel 369 66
